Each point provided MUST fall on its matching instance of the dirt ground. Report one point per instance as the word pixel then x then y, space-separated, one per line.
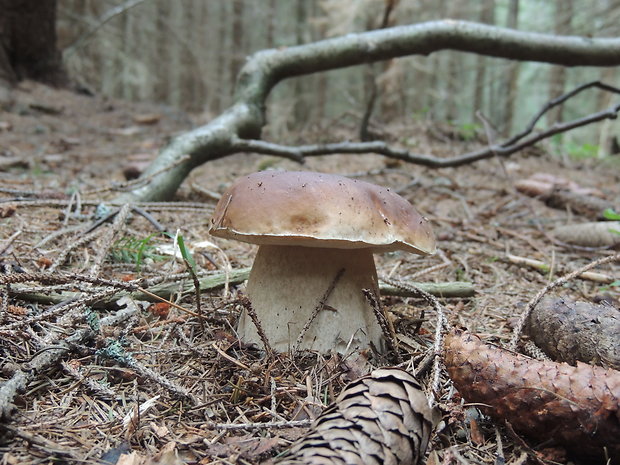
pixel 164 382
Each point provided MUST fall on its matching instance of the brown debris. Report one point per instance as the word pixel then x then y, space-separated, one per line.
pixel 558 192
pixel 551 403
pixel 570 331
pixel 595 234
pixel 381 418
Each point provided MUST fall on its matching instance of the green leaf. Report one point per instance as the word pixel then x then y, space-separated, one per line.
pixel 185 253
pixel 610 214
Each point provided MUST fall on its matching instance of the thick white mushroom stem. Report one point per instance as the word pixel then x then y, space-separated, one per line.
pixel 287 283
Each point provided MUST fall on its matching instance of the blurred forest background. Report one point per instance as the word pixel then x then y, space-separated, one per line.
pixel 186 53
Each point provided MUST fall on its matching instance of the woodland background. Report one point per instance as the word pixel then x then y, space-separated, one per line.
pixel 188 58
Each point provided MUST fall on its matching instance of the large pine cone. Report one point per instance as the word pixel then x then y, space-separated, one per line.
pixel 552 403
pixel 381 418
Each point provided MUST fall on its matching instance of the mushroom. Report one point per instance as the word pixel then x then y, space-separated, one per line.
pixel 310 226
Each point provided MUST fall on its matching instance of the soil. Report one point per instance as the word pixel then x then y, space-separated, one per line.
pixel 63 160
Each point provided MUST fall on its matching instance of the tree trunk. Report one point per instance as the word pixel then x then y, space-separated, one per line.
pixel 557 79
pixel 487 16
pixel 513 73
pixel 237 40
pixel 28 42
pixel 301 107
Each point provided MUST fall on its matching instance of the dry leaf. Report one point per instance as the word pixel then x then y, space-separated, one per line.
pixel 130 459
pixel 569 331
pixel 552 403
pixel 381 418
pixel 160 309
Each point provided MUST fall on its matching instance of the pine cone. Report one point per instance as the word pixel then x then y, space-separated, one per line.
pixel 381 418
pixel 569 331
pixel 555 403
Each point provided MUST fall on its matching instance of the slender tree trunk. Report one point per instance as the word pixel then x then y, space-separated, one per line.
pixel 219 76
pixel 237 40
pixel 512 76
pixel 271 23
pixel 487 16
pixel 557 78
pixel 300 109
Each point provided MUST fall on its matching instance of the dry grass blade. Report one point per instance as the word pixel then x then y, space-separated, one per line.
pixel 554 403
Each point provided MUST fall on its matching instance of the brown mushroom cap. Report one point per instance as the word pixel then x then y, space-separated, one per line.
pixel 319 210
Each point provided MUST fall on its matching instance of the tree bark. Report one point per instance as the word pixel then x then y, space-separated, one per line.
pixel 266 68
pixel 487 16
pixel 557 78
pixel 510 89
pixel 28 42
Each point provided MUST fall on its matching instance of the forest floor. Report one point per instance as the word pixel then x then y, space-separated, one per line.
pixel 168 385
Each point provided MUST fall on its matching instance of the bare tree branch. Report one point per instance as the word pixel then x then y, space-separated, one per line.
pixel 298 153
pixel 245 119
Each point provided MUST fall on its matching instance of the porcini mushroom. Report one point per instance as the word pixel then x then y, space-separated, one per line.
pixel 309 226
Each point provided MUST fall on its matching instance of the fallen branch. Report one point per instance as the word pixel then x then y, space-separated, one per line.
pixel 218 280
pixel 505 149
pixel 246 118
pixel 546 269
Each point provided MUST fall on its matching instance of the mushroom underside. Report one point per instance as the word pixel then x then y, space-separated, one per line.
pixel 287 283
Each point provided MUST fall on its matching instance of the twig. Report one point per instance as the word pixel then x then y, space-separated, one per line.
pixel 100 389
pixel 531 349
pixel 504 149
pixel 102 20
pixel 223 354
pixel 62 256
pixel 441 326
pixel 139 181
pixel 115 352
pixel 40 363
pixel 108 239
pixel 147 216
pixel 61 308
pixel 51 449
pixel 256 426
pixel 557 101
pixel 249 309
pixel 386 325
pixel 7 243
pixel 545 268
pixel 319 306
pixel 558 282
pixel 64 278
pixel 159 292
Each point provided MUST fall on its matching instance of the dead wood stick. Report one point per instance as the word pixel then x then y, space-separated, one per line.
pixel 217 280
pixel 545 268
